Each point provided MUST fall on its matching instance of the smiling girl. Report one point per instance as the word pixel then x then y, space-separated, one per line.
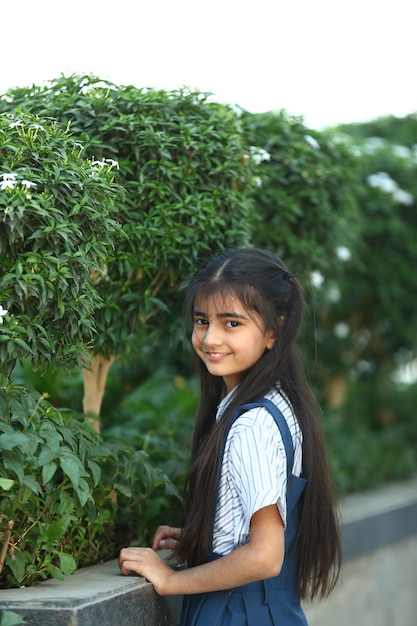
pixel 261 529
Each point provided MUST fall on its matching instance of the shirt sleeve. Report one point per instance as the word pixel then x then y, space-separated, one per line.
pixel 258 469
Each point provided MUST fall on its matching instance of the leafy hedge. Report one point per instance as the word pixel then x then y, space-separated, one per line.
pixel 182 166
pixel 305 200
pixel 57 227
pixel 69 497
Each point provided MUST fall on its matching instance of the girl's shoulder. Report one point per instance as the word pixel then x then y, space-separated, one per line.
pixel 260 417
pixel 258 426
pixel 277 397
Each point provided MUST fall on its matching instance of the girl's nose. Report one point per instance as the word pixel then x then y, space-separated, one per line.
pixel 211 336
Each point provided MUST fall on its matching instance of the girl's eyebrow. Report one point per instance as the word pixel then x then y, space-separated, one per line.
pixel 221 315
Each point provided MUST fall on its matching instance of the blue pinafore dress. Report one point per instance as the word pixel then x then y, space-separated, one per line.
pixel 270 602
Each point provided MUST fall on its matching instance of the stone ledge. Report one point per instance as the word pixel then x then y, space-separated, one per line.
pixel 100 596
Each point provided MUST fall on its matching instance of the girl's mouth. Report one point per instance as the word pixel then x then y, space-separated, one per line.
pixel 216 356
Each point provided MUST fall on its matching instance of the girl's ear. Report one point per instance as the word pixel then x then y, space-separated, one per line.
pixel 270 340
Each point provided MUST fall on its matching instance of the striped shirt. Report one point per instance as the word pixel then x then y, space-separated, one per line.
pixel 254 471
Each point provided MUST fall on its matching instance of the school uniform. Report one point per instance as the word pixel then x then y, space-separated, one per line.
pixel 261 465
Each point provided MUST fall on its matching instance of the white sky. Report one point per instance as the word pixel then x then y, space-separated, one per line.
pixel 327 61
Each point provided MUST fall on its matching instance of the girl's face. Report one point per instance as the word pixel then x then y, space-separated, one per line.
pixel 227 338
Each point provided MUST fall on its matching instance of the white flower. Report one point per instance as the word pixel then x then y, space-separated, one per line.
pixel 259 154
pixel 343 253
pixel 113 163
pixel 317 279
pixel 7 184
pixel 334 294
pixel 403 152
pixel 257 181
pixel 3 312
pixel 36 127
pixel 9 176
pixel 373 144
pixel 341 330
pixel 14 124
pixel 313 142
pixel 403 197
pixel 28 184
pixel 98 163
pixel 385 183
pixel 382 181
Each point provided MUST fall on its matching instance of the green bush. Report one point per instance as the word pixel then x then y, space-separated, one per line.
pixel 158 416
pixel 57 228
pixel 70 496
pixel 365 452
pixel 182 164
pixel 305 199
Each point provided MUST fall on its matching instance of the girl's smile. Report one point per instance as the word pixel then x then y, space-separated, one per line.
pixel 228 338
pixel 216 356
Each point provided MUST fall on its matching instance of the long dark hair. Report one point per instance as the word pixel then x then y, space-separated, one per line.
pixel 264 286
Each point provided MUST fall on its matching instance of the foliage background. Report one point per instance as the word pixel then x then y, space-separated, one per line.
pixel 182 165
pixel 339 207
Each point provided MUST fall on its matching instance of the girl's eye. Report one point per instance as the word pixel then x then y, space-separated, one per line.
pixel 233 324
pixel 200 321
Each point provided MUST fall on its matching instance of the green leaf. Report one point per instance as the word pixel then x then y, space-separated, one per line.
pixel 47 454
pixel 8 441
pixel 124 489
pixel 18 564
pixel 83 491
pixel 21 343
pixel 12 460
pixel 10 618
pixel 48 471
pixel 4 404
pixel 57 529
pixel 6 484
pixel 71 466
pixel 54 571
pixel 67 563
pixel 32 484
pixel 95 472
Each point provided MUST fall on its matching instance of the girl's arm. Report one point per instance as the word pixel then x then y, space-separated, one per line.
pixel 260 558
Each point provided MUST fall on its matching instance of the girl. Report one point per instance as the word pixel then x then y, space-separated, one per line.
pixel 261 529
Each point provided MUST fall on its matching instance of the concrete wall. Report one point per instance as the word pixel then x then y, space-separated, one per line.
pixel 378 584
pixel 379 589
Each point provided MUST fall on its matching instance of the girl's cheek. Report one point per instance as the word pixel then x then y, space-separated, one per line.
pixel 195 339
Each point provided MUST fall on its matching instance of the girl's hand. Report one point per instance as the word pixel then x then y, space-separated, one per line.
pixel 145 562
pixel 166 538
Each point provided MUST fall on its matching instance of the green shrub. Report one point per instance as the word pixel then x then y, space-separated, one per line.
pixel 70 496
pixel 366 453
pixel 158 416
pixel 181 163
pixel 57 227
pixel 305 202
